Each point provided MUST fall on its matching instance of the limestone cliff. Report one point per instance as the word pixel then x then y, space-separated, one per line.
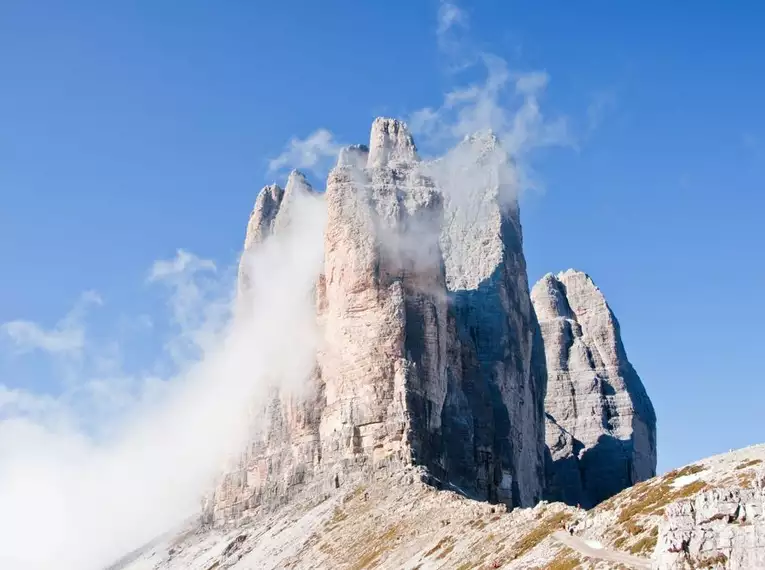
pixel 496 398
pixel 383 308
pixel 600 423
pixel 428 355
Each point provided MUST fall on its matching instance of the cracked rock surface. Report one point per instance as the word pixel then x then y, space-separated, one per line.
pixel 600 423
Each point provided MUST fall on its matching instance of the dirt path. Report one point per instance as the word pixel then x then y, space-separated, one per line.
pixel 581 546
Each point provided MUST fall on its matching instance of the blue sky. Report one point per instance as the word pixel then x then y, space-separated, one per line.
pixel 130 130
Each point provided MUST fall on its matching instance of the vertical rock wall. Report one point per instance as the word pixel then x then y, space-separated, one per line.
pixel 432 355
pixel 601 425
pixel 501 381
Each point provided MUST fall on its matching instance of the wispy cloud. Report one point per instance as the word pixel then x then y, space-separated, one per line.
pixel 198 306
pixel 312 153
pixel 506 102
pixel 183 263
pixel 161 441
pixel 65 337
pixel 449 16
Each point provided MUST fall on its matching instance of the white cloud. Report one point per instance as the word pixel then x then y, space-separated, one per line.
pixel 183 263
pixel 313 153
pixel 531 83
pixel 449 16
pixel 505 102
pixel 159 442
pixel 65 337
pixel 198 304
pixel 28 336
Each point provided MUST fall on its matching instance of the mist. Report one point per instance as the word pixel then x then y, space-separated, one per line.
pixel 75 501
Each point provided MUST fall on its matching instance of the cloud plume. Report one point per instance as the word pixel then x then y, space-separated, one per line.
pixel 75 500
pixel 66 337
pixel 313 153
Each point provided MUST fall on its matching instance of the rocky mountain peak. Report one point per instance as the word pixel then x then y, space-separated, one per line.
pixel 354 156
pixel 390 143
pixel 297 189
pixel 432 355
pixel 296 177
pixel 601 425
pixel 263 215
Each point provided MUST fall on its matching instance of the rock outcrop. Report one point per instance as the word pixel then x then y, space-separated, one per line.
pixel 719 528
pixel 495 405
pixel 600 423
pixel 275 210
pixel 383 309
pixel 429 355
pixel 259 227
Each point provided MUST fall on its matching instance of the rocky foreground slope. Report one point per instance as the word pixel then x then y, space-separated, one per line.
pixel 707 515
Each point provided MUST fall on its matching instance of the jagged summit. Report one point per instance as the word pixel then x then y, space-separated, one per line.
pixel 354 156
pixel 390 143
pixel 296 177
pixel 263 214
pixel 601 425
pixel 432 351
pixel 431 367
pixel 432 355
pixel 272 207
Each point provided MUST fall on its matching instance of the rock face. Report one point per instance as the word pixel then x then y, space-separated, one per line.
pixel 600 423
pixel 428 356
pixel 431 352
pixel 259 227
pixel 495 403
pixel 275 210
pixel 719 528
pixel 383 308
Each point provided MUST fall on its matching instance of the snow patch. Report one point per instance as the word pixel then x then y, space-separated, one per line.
pixel 594 544
pixel 684 480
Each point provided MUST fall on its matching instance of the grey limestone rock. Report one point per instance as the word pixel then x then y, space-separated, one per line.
pixel 721 528
pixel 428 356
pixel 275 209
pixel 390 144
pixel 261 223
pixel 500 385
pixel 600 423
pixel 354 156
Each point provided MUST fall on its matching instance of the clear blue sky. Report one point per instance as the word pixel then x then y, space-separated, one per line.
pixel 128 130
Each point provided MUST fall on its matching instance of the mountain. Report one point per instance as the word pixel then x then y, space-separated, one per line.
pixel 709 515
pixel 430 352
pixel 442 389
pixel 601 425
